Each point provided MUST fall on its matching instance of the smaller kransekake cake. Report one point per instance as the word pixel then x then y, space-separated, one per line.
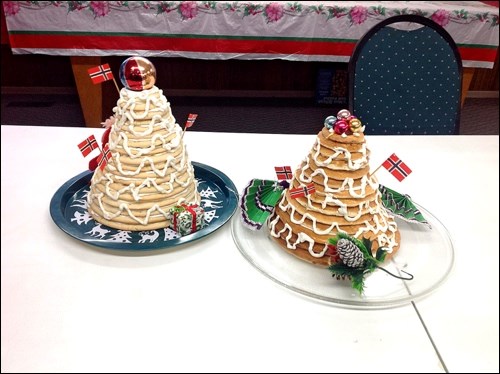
pixel 346 198
pixel 147 171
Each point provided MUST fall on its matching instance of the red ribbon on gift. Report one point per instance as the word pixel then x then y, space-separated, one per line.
pixel 190 209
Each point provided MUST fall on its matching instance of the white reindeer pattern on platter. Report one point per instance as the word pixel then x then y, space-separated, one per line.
pixel 150 236
pixel 206 203
pixel 98 231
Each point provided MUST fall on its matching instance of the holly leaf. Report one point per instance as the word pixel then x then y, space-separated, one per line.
pixel 341 270
pixel 368 244
pixel 356 275
pixel 380 255
pixel 333 241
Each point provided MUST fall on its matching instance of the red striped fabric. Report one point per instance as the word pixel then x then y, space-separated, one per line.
pixel 205 44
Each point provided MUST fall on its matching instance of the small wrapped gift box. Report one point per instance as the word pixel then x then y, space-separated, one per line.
pixel 186 219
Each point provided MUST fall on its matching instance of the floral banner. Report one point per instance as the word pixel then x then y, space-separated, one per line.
pixel 305 31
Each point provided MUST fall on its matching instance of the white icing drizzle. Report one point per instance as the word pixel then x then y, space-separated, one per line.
pixel 380 228
pixel 363 208
pixel 171 161
pixel 136 152
pixel 160 128
pixel 154 103
pixel 380 225
pixel 301 238
pixel 136 190
pixel 347 183
pixel 124 207
pixel 337 151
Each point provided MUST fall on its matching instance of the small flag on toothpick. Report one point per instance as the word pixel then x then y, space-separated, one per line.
pixel 104 157
pixel 88 145
pixel 101 74
pixel 302 191
pixel 396 167
pixel 189 122
pixel 283 172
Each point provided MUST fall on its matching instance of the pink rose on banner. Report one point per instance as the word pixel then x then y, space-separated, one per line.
pixel 100 8
pixel 274 12
pixel 358 14
pixel 74 5
pixel 441 17
pixel 11 8
pixel 188 9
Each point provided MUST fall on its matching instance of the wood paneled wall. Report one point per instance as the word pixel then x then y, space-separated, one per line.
pixel 485 79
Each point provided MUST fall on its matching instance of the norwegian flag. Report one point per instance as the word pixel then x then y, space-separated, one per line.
pixel 396 167
pixel 88 145
pixel 302 191
pixel 283 172
pixel 104 157
pixel 190 120
pixel 100 73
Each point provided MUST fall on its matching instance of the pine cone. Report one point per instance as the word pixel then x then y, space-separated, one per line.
pixel 349 253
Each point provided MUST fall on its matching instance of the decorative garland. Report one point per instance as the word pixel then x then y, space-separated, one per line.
pixel 354 260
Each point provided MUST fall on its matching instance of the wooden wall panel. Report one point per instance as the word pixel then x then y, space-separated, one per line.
pixel 189 74
pixel 486 79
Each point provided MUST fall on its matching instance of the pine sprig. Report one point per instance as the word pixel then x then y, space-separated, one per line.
pixel 357 274
pixel 358 282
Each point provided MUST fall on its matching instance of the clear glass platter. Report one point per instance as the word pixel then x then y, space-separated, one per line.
pixel 425 253
pixel 68 209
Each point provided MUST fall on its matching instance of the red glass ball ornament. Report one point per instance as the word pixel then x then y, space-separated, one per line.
pixel 137 73
pixel 341 127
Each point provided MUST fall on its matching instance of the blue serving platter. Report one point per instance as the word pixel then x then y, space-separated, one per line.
pixel 68 208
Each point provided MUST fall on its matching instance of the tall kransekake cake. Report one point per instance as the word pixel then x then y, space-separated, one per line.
pixel 346 197
pixel 147 171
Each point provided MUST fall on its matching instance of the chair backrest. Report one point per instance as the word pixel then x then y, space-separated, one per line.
pixel 406 81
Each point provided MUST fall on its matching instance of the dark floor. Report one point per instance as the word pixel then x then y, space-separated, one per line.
pixel 268 115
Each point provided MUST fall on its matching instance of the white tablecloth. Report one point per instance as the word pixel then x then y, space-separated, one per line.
pixel 67 307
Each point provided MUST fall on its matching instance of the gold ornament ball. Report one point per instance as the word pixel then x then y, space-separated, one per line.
pixel 355 125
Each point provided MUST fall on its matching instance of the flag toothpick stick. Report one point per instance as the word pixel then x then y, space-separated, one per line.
pixel 116 85
pixel 374 171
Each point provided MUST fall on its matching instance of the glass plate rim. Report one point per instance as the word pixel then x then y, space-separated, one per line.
pixel 352 304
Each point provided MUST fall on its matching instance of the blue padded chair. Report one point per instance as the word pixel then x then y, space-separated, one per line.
pixel 406 81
